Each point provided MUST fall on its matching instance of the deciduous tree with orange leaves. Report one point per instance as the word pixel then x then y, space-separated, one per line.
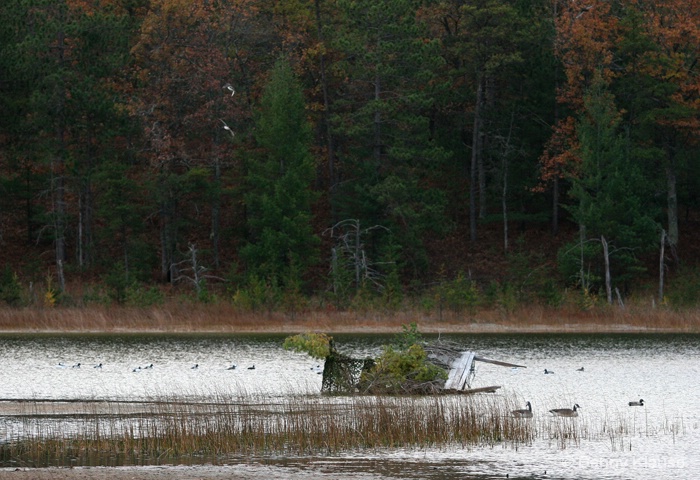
pixel 646 53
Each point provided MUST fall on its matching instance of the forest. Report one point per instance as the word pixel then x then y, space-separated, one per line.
pixel 354 152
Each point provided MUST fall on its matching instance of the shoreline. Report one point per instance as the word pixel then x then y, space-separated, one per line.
pixel 212 319
pixel 478 329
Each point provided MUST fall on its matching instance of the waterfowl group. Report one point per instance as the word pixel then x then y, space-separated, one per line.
pixel 566 412
pixel 150 367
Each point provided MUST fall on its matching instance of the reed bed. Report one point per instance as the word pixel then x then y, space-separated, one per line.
pixel 224 317
pixel 173 430
pixel 170 430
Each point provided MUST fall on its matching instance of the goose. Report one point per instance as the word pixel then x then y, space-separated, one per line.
pixel 548 372
pixel 524 413
pixel 640 403
pixel 579 369
pixel 566 412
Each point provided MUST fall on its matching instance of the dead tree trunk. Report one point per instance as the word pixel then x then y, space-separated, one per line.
pixel 608 282
pixel 662 265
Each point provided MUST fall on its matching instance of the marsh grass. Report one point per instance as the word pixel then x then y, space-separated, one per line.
pixel 224 317
pixel 170 430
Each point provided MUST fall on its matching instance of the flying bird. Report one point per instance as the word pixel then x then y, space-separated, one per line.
pixel 228 86
pixel 228 129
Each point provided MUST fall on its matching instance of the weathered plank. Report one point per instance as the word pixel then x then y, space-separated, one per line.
pixel 498 362
pixel 458 375
pixel 469 391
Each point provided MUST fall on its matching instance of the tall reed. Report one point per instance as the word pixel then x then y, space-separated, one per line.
pixel 172 429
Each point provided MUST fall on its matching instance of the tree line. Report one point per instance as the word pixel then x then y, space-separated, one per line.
pixel 321 145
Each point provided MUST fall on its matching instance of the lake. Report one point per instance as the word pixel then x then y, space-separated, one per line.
pixel 657 440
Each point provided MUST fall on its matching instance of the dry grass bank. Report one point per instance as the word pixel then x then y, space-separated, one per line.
pixel 225 318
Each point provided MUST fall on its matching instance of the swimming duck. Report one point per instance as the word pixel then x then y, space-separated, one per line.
pixel 640 403
pixel 232 367
pixel 548 372
pixel 524 413
pixel 579 369
pixel 566 412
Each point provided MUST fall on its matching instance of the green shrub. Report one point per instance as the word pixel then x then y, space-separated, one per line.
pixel 10 288
pixel 397 371
pixel 138 295
pixel 317 345
pixel 459 294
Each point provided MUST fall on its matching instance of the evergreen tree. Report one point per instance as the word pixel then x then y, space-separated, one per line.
pixel 382 125
pixel 613 196
pixel 281 244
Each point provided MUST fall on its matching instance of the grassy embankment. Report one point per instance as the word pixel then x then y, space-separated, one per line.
pixel 222 317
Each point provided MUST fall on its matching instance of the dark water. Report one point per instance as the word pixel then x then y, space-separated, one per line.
pixel 658 440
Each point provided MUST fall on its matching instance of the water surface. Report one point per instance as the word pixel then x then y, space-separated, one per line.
pixel 658 440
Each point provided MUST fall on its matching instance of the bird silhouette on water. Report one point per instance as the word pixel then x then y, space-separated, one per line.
pixel 524 413
pixel 566 412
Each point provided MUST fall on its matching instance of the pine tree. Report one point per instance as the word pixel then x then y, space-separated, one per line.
pixel 281 244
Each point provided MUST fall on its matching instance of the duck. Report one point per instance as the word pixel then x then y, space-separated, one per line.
pixel 640 403
pixel 579 369
pixel 548 372
pixel 252 367
pixel 77 365
pixel 99 365
pixel 232 367
pixel 195 366
pixel 566 412
pixel 524 413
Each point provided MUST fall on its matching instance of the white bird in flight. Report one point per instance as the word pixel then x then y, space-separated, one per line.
pixel 228 86
pixel 228 129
